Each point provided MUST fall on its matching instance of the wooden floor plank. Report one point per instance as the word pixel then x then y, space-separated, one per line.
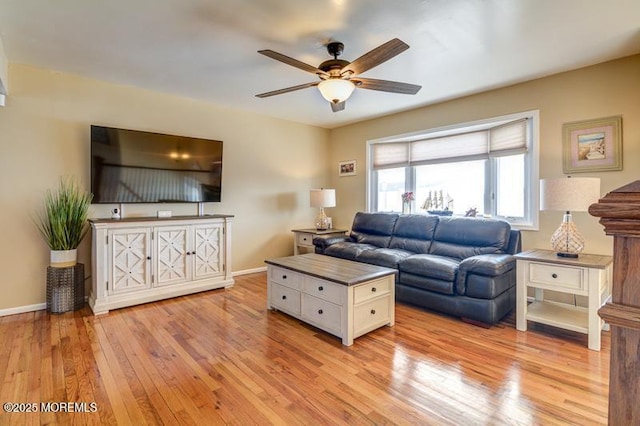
pixel 220 357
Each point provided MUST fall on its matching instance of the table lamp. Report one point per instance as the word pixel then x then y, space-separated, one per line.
pixel 321 198
pixel 568 194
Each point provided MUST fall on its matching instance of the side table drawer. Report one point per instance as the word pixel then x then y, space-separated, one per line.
pixel 285 298
pixel 304 239
pixel 556 276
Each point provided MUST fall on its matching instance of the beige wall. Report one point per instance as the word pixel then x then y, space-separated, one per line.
pixel 269 166
pixel 603 90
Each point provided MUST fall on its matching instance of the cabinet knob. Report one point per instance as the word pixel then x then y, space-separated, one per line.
pixel 554 275
pixel 373 312
pixel 188 253
pixel 284 277
pixel 373 290
pixel 148 257
pixel 284 297
pixel 320 288
pixel 320 311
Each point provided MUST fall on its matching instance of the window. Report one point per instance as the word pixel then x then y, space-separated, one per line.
pixel 490 166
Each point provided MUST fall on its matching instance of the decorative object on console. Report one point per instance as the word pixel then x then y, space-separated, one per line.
pixel 592 145
pixel 63 223
pixel 568 194
pixel 321 198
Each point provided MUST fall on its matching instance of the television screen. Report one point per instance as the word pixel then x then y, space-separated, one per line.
pixel 130 166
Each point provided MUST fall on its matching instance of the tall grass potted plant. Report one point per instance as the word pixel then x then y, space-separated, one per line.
pixel 63 221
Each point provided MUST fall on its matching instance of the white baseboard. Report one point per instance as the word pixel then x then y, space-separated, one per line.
pixel 43 306
pixel 23 309
pixel 250 271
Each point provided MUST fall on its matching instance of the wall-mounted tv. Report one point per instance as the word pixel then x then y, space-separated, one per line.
pixel 131 166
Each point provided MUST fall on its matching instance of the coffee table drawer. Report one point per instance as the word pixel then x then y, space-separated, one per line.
pixel 321 313
pixel 373 289
pixel 285 277
pixel 285 299
pixel 323 289
pixel 371 315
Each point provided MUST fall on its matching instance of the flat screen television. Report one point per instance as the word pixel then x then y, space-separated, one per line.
pixel 131 166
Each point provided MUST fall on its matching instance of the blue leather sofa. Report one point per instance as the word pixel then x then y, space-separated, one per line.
pixel 457 265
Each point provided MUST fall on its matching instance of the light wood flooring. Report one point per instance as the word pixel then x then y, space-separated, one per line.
pixel 220 357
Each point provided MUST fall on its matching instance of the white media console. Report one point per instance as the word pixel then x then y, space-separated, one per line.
pixel 140 260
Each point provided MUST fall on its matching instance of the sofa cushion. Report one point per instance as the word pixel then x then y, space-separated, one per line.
pixel 348 250
pixel 432 266
pixel 425 283
pixel 481 287
pixel 375 229
pixel 388 258
pixel 414 233
pixel 462 237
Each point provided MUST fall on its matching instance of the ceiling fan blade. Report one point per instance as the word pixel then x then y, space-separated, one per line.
pixel 290 61
pixel 386 86
pixel 287 90
pixel 337 107
pixel 376 56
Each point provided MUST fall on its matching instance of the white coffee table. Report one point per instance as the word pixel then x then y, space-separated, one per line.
pixel 344 298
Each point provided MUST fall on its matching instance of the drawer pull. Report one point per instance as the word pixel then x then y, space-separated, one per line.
pixel 284 297
pixel 373 312
pixel 320 288
pixel 284 277
pixel 554 275
pixel 320 311
pixel 373 290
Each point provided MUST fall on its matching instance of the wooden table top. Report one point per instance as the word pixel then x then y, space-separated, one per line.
pixel 596 261
pixel 341 271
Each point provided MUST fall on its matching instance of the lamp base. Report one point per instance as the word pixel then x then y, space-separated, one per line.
pixel 322 221
pixel 570 255
pixel 567 241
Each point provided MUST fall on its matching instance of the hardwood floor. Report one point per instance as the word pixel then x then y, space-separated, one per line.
pixel 220 357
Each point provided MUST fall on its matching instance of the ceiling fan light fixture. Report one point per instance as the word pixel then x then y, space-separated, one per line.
pixel 336 90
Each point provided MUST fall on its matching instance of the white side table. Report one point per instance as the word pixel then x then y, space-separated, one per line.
pixel 588 275
pixel 303 238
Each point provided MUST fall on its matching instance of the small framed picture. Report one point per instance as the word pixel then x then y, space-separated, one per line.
pixel 592 145
pixel 347 168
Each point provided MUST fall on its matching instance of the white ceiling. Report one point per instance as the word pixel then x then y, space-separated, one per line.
pixel 207 49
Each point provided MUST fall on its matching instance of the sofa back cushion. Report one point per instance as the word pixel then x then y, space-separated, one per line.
pixel 373 228
pixel 462 237
pixel 414 233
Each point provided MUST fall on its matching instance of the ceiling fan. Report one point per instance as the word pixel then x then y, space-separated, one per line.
pixel 339 78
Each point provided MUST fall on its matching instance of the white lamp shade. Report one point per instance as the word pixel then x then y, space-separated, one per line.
pixel 569 194
pixel 323 197
pixel 336 90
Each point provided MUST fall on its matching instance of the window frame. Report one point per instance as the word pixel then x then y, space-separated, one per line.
pixel 531 172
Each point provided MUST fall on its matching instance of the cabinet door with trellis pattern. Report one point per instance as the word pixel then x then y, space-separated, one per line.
pixel 130 260
pixel 208 255
pixel 173 255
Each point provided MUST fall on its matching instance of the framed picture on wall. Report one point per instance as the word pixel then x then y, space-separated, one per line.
pixel 592 145
pixel 347 168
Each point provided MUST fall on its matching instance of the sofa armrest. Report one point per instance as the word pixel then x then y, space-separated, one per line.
pixel 489 265
pixel 321 242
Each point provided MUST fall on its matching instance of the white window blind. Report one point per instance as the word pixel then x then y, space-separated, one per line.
pixel 506 139
pixel 387 155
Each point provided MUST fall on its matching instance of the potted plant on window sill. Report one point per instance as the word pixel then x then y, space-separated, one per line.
pixel 63 223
